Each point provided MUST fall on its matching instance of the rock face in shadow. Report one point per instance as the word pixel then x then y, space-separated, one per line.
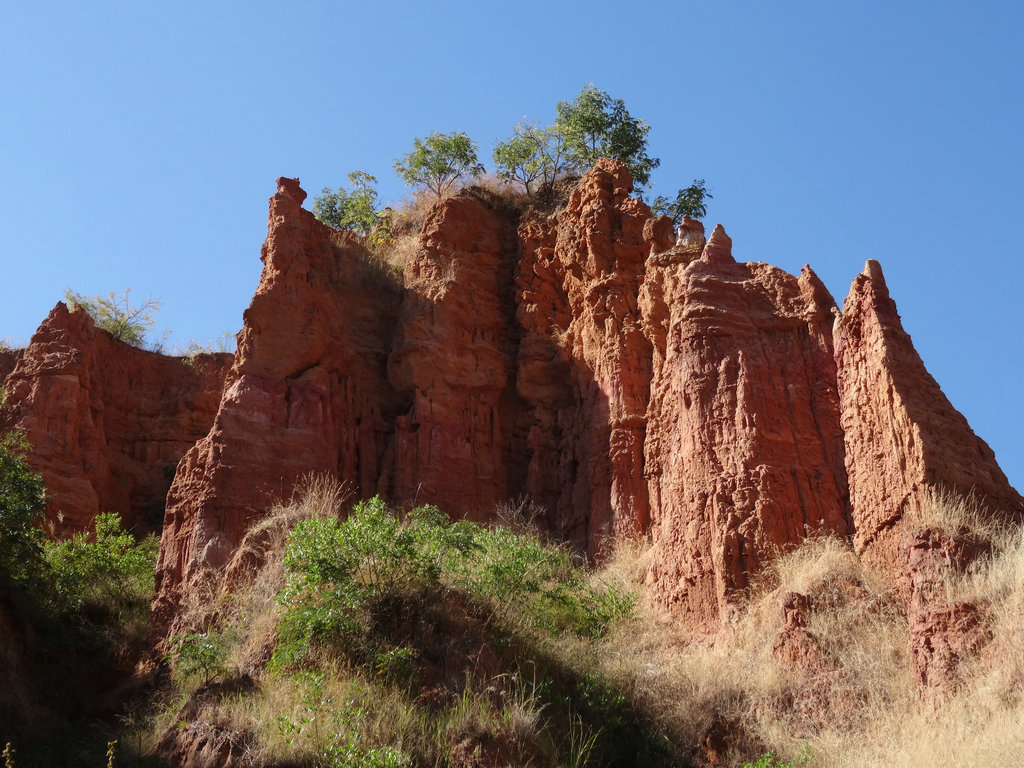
pixel 107 422
pixel 902 434
pixel 453 361
pixel 8 360
pixel 584 365
pixel 744 453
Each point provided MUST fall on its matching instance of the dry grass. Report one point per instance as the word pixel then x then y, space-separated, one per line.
pixel 857 707
pixel 863 709
pixel 961 515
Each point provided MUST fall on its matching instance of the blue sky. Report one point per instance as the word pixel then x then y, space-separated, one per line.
pixel 139 143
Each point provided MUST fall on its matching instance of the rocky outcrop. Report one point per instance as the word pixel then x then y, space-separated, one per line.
pixel 307 394
pixel 107 421
pixel 744 454
pixel 945 634
pixel 902 435
pixel 8 360
pixel 453 362
pixel 585 363
pixel 625 375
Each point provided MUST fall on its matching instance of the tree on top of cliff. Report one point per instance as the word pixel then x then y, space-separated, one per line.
pixel 532 154
pixel 594 125
pixel 438 161
pixel 117 315
pixel 689 202
pixel 355 209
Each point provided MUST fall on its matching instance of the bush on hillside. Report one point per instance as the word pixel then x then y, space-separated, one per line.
pixel 22 501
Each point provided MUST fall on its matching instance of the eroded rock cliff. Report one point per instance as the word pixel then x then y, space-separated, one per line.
pixel 307 394
pixel 902 434
pixel 107 422
pixel 628 377
pixel 744 452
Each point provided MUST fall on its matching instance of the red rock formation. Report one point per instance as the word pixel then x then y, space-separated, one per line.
pixel 577 289
pixel 902 434
pixel 8 360
pixel 453 359
pixel 307 394
pixel 107 421
pixel 744 453
pixel 589 359
pixel 944 634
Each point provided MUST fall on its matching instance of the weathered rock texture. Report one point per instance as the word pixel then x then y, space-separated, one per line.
pixel 307 394
pixel 585 364
pixel 744 453
pixel 107 421
pixel 944 633
pixel 453 360
pixel 625 375
pixel 8 360
pixel 902 434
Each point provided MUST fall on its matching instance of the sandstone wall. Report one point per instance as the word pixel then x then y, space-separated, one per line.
pixel 107 421
pixel 902 434
pixel 744 452
pixel 629 378
pixel 308 393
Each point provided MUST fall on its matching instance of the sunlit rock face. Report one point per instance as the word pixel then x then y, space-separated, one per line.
pixel 107 421
pixel 624 375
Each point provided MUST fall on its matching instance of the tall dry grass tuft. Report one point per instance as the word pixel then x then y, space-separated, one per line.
pixel 963 515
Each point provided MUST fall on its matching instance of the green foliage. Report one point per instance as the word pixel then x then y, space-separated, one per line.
pixel 689 202
pixel 336 570
pixel 594 125
pixel 439 161
pixel 22 501
pixel 200 653
pixel 117 315
pixel 332 728
pixel 539 585
pixel 354 209
pixel 532 154
pixel 769 760
pixel 109 570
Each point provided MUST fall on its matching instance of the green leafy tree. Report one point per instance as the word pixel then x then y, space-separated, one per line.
pixel 594 125
pixel 533 154
pixel 354 209
pixel 689 202
pixel 201 653
pixel 109 569
pixel 439 161
pixel 22 500
pixel 116 314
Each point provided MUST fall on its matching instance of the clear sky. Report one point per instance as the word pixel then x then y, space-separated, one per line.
pixel 139 143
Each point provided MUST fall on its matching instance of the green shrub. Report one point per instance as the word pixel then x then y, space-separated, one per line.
pixel 22 501
pixel 332 730
pixel 112 571
pixel 337 570
pixel 769 760
pixel 117 315
pixel 200 653
pixel 539 584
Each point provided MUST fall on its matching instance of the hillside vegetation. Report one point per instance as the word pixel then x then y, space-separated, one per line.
pixel 367 636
